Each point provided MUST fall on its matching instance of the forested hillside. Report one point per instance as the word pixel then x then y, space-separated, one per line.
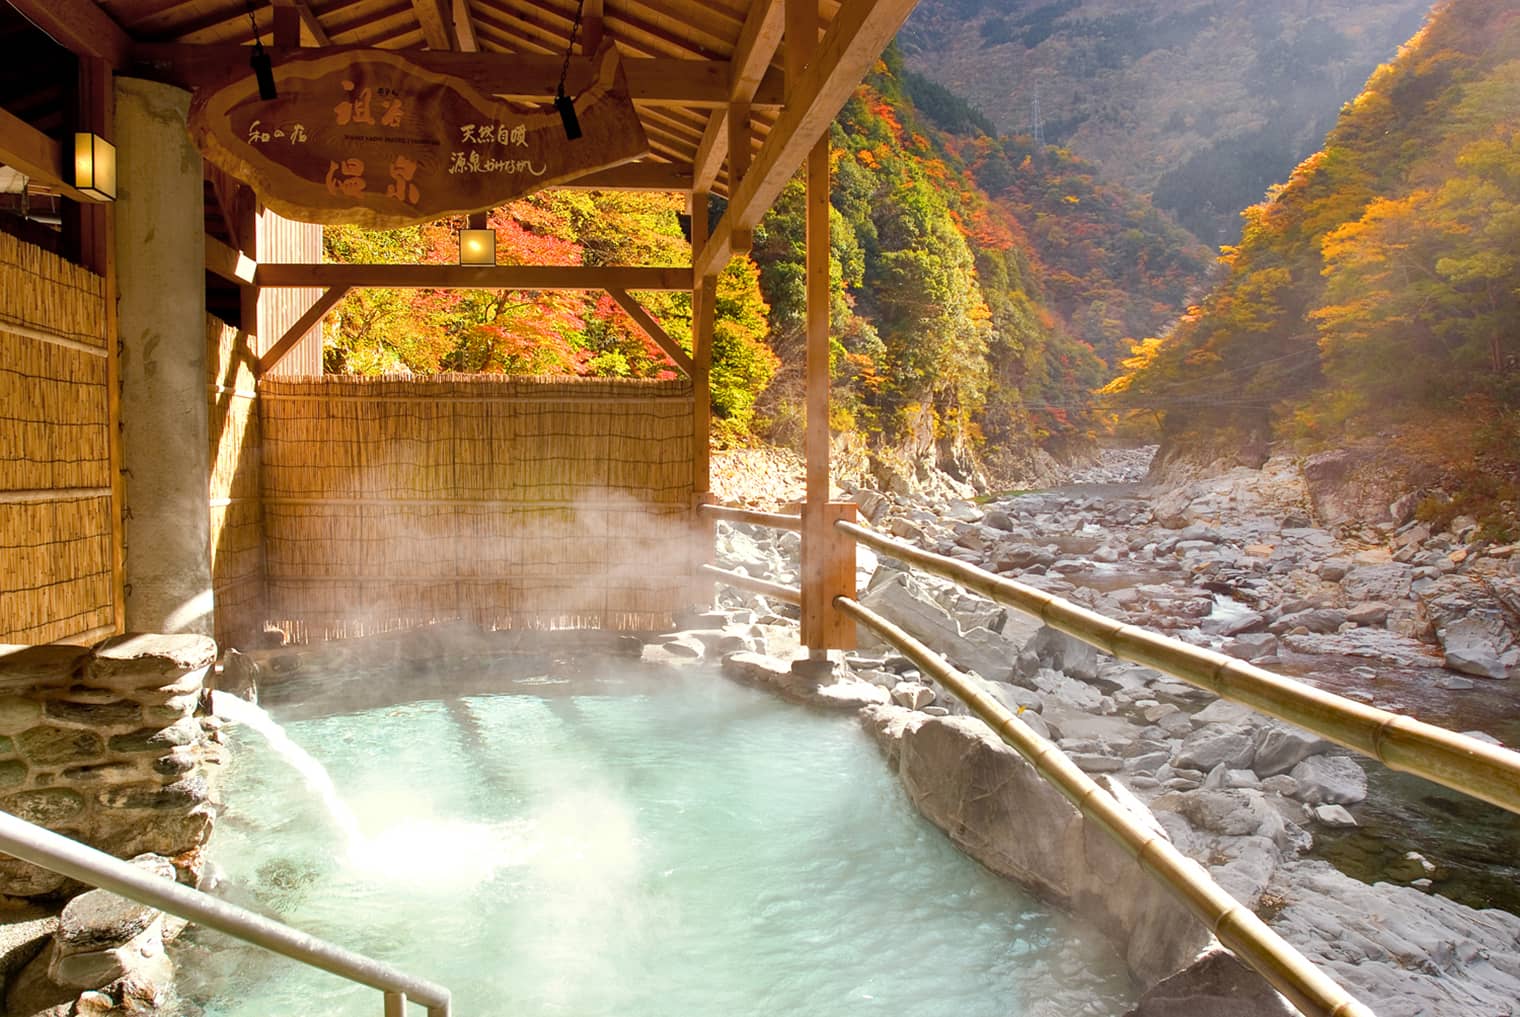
pixel 981 287
pixel 1201 104
pixel 1378 290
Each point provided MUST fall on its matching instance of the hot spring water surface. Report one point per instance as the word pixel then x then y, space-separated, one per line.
pixel 672 847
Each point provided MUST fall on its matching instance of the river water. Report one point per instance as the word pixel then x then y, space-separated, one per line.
pixel 1474 847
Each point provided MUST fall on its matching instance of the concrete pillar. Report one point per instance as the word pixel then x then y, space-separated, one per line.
pixel 161 268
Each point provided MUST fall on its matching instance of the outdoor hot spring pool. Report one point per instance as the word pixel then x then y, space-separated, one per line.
pixel 631 846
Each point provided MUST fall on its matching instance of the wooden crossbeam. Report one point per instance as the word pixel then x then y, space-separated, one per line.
pixel 859 32
pixel 500 277
pixel 229 263
pixel 758 40
pixel 634 176
pixel 437 20
pixel 711 151
pixel 526 76
pixel 652 329
pixel 276 353
pixel 35 155
pixel 464 27
pixel 80 26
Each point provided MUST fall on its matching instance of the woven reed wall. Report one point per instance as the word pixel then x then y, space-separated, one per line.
pixel 56 533
pixel 237 512
pixel 509 502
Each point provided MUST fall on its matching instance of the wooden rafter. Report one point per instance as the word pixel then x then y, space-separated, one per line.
pixel 853 42
pixel 652 329
pixel 651 80
pixel 315 313
pixel 500 277
pixel 80 26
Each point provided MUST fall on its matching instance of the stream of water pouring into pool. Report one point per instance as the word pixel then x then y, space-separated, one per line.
pixel 313 774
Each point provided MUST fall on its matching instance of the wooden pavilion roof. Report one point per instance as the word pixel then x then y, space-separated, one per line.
pixel 706 75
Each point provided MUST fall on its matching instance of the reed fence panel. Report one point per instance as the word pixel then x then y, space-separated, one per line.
pixel 509 502
pixel 57 553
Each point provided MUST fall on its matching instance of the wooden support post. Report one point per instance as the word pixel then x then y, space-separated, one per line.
pixel 703 304
pixel 592 27
pixel 823 548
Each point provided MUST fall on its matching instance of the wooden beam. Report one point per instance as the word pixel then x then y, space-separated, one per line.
pixel 315 313
pixel 592 26
pixel 661 81
pixel 80 26
pixel 37 156
pixel 500 277
pixel 711 152
pixel 286 25
pixel 855 39
pixel 758 40
pixel 437 20
pixel 229 263
pixel 652 329
pixel 739 135
pixel 634 176
pixel 464 27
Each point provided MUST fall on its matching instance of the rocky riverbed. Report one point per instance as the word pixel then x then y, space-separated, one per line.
pixel 1399 887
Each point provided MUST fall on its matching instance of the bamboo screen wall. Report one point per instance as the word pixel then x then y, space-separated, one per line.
pixel 57 556
pixel 285 240
pixel 510 502
pixel 237 512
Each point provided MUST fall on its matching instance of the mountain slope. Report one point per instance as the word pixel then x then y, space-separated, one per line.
pixel 1377 293
pixel 1200 103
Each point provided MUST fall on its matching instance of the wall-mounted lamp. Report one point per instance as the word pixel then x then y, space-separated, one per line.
pixel 477 247
pixel 95 166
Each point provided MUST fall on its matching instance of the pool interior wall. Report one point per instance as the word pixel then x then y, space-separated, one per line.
pixel 617 840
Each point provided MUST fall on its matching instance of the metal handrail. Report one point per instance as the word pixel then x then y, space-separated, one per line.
pixel 66 857
pixel 1281 964
pixel 1400 742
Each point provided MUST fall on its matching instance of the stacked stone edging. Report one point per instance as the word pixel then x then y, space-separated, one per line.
pixel 107 746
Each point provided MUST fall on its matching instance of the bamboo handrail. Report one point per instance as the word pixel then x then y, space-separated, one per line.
pixel 790 594
pixel 754 517
pixel 1309 989
pixel 1400 742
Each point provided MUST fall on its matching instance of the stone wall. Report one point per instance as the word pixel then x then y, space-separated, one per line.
pixel 107 746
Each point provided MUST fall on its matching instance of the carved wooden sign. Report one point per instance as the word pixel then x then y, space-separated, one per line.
pixel 372 139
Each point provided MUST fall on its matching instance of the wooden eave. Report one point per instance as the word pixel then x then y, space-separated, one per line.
pixel 687 59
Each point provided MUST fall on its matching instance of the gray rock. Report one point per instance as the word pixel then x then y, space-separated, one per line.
pixel 1476 644
pixel 1060 652
pixel 1388 582
pixel 24 667
pixel 1334 815
pixel 142 661
pixel 1334 780
pixel 824 689
pixel 913 695
pixel 1280 747
pixel 1233 745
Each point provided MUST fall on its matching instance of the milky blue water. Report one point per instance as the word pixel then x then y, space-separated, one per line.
pixel 682 846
